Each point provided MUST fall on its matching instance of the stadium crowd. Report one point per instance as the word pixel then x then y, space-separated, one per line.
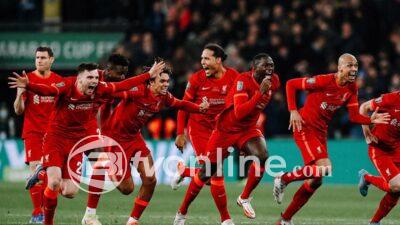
pixel 303 38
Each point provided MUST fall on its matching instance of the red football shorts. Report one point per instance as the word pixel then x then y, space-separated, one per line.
pixel 134 148
pixel 33 147
pixel 56 151
pixel 311 144
pixel 199 136
pixel 386 162
pixel 220 140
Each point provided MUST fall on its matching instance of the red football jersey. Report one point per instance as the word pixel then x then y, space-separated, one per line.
pixel 38 108
pixel 388 134
pixel 324 98
pixel 214 90
pixel 75 113
pixel 137 107
pixel 245 103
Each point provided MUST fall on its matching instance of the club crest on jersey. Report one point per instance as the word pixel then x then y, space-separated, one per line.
pixel 223 91
pixel 239 85
pixel 310 80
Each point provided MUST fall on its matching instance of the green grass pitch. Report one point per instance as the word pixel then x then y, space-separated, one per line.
pixel 331 205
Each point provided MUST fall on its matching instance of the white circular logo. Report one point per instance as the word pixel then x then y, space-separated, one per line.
pixel 97 164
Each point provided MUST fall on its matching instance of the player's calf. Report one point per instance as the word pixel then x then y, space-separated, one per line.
pixel 394 184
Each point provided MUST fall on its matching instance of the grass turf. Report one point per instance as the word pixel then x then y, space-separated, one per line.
pixel 331 205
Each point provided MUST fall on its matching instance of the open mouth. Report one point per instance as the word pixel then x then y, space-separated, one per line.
pixel 91 87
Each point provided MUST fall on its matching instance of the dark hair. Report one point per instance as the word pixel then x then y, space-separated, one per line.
pixel 87 66
pixel 258 57
pixel 45 49
pixel 218 51
pixel 167 69
pixel 118 60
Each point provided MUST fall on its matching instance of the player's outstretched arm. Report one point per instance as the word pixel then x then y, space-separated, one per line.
pixel 41 89
pixel 190 106
pixel 127 84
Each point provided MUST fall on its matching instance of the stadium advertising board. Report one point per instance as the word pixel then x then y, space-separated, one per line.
pixel 70 49
pixel 348 156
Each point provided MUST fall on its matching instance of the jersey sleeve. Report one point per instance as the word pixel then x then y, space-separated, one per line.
pixel 182 105
pixel 383 101
pixel 111 87
pixel 131 94
pixel 306 83
pixel 49 90
pixel 243 106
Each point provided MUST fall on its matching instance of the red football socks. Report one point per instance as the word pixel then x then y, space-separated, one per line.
pixel 193 190
pixel 387 203
pixel 138 208
pixel 49 205
pixel 299 200
pixel 378 182
pixel 189 171
pixel 219 195
pixel 36 193
pixel 255 175
pixel 94 191
pixel 303 173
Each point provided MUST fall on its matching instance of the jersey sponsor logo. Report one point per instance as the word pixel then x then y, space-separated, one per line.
pixel 395 122
pixel 310 80
pixel 239 86
pixel 84 106
pixel 326 106
pixel 36 99
pixel 141 112
pixel 60 84
pixel 378 100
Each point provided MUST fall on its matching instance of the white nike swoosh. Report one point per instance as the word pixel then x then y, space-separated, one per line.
pixel 328 94
pixel 205 88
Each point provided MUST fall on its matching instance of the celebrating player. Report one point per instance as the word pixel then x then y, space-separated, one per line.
pixel 137 106
pixel 37 110
pixel 236 126
pixel 79 98
pixel 327 93
pixel 212 83
pixel 384 151
pixel 116 70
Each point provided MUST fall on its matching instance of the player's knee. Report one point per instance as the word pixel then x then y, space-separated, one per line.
pixel 54 183
pixel 126 189
pixel 325 170
pixel 262 157
pixel 150 181
pixel 395 187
